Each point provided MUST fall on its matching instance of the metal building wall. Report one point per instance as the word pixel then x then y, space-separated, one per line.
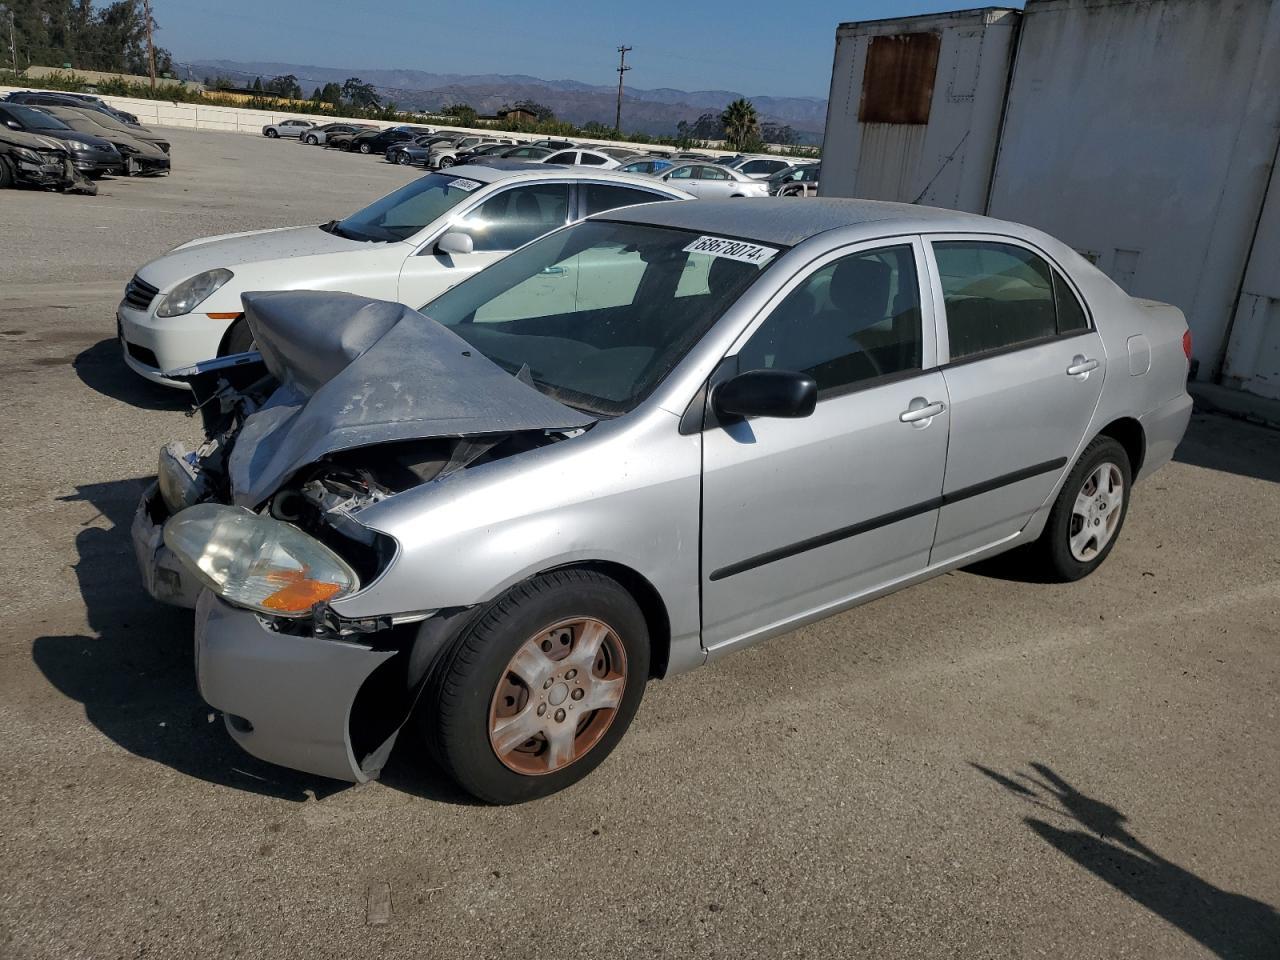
pixel 1143 134
pixel 1253 352
pixel 945 161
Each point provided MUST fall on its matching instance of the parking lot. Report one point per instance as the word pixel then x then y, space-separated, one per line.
pixel 977 767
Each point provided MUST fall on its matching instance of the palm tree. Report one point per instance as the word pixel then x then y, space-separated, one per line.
pixel 741 125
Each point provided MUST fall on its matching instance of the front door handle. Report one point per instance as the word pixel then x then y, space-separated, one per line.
pixel 920 410
pixel 1081 365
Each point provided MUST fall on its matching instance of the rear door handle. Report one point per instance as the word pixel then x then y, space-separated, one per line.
pixel 921 409
pixel 1081 365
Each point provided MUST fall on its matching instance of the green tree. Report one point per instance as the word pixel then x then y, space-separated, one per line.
pixel 331 93
pixel 257 85
pixel 360 94
pixel 466 114
pixel 286 86
pixel 741 125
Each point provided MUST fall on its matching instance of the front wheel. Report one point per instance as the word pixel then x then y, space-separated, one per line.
pixel 364 148
pixel 239 339
pixel 7 178
pixel 446 162
pixel 271 134
pixel 310 139
pixel 404 159
pixel 538 691
pixel 1087 516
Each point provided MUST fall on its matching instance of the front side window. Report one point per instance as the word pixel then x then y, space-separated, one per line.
pixel 597 198
pixel 1000 296
pixel 854 320
pixel 594 312
pixel 513 217
pixel 399 215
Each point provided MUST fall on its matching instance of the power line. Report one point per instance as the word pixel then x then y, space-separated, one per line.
pixel 622 68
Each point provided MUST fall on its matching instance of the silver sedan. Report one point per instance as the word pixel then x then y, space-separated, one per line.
pixel 711 181
pixel 627 449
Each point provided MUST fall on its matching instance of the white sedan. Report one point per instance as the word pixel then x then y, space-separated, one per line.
pixel 584 158
pixel 711 181
pixel 410 246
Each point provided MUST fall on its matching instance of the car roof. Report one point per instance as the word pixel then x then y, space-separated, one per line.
pixel 504 168
pixel 787 221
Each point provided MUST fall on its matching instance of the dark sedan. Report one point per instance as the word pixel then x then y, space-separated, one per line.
pixel 92 156
pixel 377 141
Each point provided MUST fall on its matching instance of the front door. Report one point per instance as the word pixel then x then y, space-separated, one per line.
pixel 1024 375
pixel 800 516
pixel 506 220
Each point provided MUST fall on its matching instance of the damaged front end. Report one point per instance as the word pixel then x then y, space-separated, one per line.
pixel 41 161
pixel 347 402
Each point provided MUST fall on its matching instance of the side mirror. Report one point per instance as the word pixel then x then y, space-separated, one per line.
pixel 455 242
pixel 766 393
pixel 13 124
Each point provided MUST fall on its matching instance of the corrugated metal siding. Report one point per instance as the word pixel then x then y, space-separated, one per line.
pixel 1253 354
pixel 944 162
pixel 1142 134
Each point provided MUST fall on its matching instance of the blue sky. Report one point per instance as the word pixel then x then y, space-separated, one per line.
pixel 751 46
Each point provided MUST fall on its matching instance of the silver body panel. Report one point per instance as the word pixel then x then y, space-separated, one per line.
pixel 697 513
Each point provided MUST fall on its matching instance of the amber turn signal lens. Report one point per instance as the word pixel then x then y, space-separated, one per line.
pixel 299 593
pixel 224 316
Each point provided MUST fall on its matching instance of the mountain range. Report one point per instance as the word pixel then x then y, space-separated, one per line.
pixel 655 111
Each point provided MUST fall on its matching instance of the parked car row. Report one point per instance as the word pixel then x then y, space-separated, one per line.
pixel 96 141
pixel 659 431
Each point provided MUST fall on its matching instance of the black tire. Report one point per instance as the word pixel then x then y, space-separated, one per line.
pixel 238 339
pixel 445 163
pixel 404 159
pixel 310 139
pixel 7 177
pixel 455 713
pixel 364 148
pixel 1053 550
pixel 271 134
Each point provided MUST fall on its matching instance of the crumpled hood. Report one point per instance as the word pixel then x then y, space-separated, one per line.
pixel 355 372
pixel 32 141
pixel 232 251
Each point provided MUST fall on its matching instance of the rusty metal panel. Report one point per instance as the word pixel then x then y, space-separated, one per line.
pixel 897 84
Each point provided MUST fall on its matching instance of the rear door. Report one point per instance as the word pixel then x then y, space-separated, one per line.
pixel 801 515
pixel 1024 370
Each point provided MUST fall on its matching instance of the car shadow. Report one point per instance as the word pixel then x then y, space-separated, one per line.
pixel 101 369
pixel 133 672
pixel 1217 442
pixel 1230 925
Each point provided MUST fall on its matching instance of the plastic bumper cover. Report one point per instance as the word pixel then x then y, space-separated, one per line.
pixel 162 574
pixel 287 698
pixel 160 344
pixel 1163 428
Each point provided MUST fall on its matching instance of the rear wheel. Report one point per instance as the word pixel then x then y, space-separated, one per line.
pixel 1085 521
pixel 404 159
pixel 541 688
pixel 310 138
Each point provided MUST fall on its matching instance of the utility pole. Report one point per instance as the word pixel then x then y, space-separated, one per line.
pixel 622 68
pixel 13 45
pixel 151 49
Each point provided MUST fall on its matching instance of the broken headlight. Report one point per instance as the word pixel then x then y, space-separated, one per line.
pixel 189 294
pixel 180 480
pixel 257 562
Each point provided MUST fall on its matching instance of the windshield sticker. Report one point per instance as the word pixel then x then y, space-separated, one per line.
pixel 739 250
pixel 467 185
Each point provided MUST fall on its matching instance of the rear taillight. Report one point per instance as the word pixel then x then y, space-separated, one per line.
pixel 1186 344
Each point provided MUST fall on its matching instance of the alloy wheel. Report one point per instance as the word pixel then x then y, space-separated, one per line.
pixel 1095 516
pixel 557 696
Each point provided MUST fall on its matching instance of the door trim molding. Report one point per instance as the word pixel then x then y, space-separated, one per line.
pixel 875 523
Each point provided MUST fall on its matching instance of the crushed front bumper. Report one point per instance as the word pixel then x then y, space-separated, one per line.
pixel 287 699
pixel 162 574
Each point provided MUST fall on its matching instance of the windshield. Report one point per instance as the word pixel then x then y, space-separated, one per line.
pixel 596 315
pixel 399 215
pixel 31 117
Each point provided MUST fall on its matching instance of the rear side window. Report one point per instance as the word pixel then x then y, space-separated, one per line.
pixel 854 320
pixel 591 160
pixel 1000 296
pixel 566 157
pixel 596 198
